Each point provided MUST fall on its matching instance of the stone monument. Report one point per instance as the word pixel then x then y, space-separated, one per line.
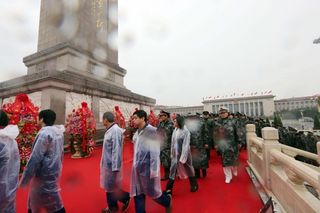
pixel 76 60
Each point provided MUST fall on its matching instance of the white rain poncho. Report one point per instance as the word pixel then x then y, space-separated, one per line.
pixel 181 160
pixel 145 177
pixel 9 168
pixel 111 159
pixel 44 170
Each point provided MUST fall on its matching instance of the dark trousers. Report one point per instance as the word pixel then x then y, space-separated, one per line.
pixel 140 202
pixel 60 211
pixel 114 197
pixel 208 153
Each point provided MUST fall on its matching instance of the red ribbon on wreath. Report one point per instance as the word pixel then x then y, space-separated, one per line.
pixel 152 119
pixel 23 113
pixel 120 118
pixel 21 106
pixel 84 112
pixel 81 126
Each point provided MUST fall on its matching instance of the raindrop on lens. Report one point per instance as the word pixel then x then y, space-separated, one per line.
pixel 99 53
pixel 69 25
pixel 102 36
pixel 113 40
pixel 72 5
pixel 113 13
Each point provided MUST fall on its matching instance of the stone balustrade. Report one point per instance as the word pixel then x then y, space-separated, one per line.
pixel 283 177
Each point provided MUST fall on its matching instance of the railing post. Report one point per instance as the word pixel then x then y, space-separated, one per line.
pixel 250 133
pixel 271 137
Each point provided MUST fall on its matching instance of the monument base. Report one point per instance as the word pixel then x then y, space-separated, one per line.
pixel 63 91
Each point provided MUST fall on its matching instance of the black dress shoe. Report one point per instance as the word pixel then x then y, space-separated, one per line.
pixel 193 184
pixel 194 188
pixel 169 208
pixel 125 206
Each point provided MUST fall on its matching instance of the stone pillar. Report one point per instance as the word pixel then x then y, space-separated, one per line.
pixel 318 151
pixel 271 137
pixel 250 133
pixel 55 100
pixel 95 108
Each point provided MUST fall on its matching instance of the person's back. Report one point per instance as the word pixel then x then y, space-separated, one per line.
pixel 9 168
pixel 44 167
pixel 115 132
pixel 111 165
pixel 50 140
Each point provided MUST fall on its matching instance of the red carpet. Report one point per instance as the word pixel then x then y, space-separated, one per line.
pixel 81 192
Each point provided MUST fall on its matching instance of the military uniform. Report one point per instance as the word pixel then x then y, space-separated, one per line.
pixel 207 131
pixel 241 130
pixel 198 141
pixel 226 140
pixel 165 129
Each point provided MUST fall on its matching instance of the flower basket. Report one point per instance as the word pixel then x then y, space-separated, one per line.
pixel 153 119
pixel 23 113
pixel 81 126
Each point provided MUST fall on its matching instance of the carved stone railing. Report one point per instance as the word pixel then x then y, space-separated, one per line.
pixel 283 177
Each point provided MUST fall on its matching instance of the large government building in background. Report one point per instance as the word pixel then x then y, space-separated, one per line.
pixel 296 103
pixel 254 105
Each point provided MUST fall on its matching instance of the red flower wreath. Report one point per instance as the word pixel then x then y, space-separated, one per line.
pixel 81 126
pixel 23 113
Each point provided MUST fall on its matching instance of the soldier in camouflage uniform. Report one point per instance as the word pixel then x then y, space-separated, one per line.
pixel 198 144
pixel 283 135
pixel 226 141
pixel 207 125
pixel 258 125
pixel 241 128
pixel 165 129
pixel 312 142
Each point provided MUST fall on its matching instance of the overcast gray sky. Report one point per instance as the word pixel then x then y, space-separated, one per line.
pixel 179 51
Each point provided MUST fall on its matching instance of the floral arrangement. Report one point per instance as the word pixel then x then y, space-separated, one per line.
pixel 153 119
pixel 119 119
pixel 23 113
pixel 131 127
pixel 173 116
pixel 81 126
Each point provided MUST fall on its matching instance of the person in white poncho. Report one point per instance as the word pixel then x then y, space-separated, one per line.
pixel 44 167
pixel 181 160
pixel 111 165
pixel 9 164
pixel 145 179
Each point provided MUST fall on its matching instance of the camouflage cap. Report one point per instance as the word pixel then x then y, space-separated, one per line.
pixel 223 109
pixel 205 113
pixel 165 112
